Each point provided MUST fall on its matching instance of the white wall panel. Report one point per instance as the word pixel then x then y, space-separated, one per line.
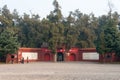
pixel 30 55
pixel 90 56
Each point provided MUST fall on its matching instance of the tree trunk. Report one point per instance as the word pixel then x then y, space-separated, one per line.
pixel 104 58
pixel 111 60
pixel 55 57
pixel 6 60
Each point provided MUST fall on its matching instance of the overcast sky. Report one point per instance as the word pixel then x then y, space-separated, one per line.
pixel 43 7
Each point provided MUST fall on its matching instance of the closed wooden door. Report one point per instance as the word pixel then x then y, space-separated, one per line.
pixel 47 57
pixel 72 57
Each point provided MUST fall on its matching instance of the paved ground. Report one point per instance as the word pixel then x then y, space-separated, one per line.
pixel 60 71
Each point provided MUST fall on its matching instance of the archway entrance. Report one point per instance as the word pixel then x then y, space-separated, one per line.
pixel 47 57
pixel 60 56
pixel 72 57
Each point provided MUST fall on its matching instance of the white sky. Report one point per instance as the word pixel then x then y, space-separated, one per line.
pixel 43 7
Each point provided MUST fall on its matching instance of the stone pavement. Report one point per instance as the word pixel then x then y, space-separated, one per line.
pixel 60 71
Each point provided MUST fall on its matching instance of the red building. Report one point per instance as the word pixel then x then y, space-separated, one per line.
pixel 44 54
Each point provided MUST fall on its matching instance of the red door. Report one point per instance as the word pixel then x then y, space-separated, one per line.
pixel 72 57
pixel 47 57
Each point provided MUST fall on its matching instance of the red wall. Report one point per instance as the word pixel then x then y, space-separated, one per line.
pixel 41 53
pixel 9 59
pixel 82 50
pixel 44 54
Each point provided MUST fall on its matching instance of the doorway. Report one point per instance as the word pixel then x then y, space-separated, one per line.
pixel 60 56
pixel 72 57
pixel 47 57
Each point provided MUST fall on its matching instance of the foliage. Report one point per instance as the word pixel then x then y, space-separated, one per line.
pixel 108 39
pixel 56 31
pixel 8 42
pixel 56 28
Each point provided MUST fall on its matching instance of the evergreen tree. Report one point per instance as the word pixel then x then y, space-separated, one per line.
pixel 70 32
pixel 8 42
pixel 108 39
pixel 56 29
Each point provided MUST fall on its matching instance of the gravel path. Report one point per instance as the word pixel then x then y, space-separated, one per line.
pixel 60 71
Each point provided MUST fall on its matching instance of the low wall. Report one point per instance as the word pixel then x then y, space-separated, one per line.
pixel 44 54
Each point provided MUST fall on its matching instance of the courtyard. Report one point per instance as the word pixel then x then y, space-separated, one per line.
pixel 60 71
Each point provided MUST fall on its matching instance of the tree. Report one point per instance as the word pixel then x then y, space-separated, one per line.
pixel 8 42
pixel 56 31
pixel 6 17
pixel 108 39
pixel 30 32
pixel 85 26
pixel 70 32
